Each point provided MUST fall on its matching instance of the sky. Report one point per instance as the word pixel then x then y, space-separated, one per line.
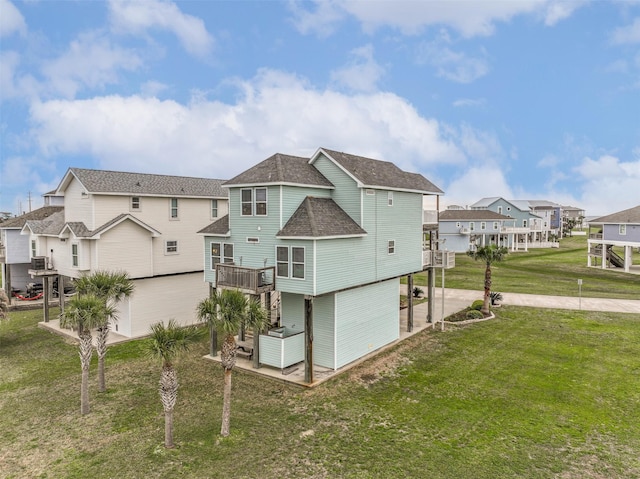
pixel 535 100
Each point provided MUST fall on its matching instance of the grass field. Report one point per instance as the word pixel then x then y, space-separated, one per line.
pixel 531 394
pixel 544 271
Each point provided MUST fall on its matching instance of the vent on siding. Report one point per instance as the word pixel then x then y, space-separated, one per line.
pixel 253 240
pixel 369 191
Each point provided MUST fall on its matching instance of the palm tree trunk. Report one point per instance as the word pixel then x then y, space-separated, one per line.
pixel 226 404
pixel 487 291
pixel 101 349
pixel 86 350
pixel 168 396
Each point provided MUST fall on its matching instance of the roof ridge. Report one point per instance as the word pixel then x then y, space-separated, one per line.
pixel 312 218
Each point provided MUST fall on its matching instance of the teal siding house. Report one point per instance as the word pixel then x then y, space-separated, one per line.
pixel 330 236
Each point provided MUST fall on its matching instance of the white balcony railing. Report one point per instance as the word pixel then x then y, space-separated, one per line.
pixel 429 217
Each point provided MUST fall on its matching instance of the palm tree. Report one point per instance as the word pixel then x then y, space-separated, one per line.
pixel 111 287
pixel 227 312
pixel 84 313
pixel 166 343
pixel 489 254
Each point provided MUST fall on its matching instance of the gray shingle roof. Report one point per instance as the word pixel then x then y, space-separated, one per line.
pixel 102 181
pixel 52 225
pixel 383 174
pixel 630 216
pixel 39 214
pixel 81 231
pixel 470 215
pixel 281 169
pixel 318 218
pixel 218 227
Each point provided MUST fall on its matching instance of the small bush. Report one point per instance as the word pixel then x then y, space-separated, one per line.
pixel 495 297
pixel 477 304
pixel 474 314
pixel 417 292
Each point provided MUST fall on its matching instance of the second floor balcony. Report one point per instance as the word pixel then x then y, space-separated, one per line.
pixel 248 280
pixel 438 259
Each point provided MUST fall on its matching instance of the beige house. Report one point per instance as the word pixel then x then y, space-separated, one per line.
pixel 139 223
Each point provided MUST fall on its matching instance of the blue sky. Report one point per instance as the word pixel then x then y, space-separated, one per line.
pixel 520 99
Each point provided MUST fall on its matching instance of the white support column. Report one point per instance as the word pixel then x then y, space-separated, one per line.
pixel 628 258
pixel 604 256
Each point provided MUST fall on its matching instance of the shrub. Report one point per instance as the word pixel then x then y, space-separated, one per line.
pixel 474 314
pixel 477 304
pixel 495 297
pixel 417 292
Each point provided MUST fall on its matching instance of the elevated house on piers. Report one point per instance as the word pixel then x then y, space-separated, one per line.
pixel 331 235
pixel 621 230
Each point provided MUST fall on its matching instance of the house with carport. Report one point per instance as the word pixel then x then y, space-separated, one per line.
pixel 142 224
pixel 620 230
pixel 331 236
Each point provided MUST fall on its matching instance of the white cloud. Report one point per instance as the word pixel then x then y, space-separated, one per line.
pixel 152 88
pixel 470 102
pixel 627 34
pixel 411 17
pixel 362 73
pixel 456 66
pixel 91 61
pixel 277 113
pixel 476 183
pixel 11 20
pixel 608 184
pixel 136 17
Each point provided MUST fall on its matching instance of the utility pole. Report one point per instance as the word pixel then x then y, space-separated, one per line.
pixel 29 202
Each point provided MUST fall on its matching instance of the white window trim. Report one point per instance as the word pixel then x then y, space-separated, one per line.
pixel 390 198
pixel 472 226
pixel 622 230
pixel 278 262
pixel 391 247
pixel 483 225
pixel 214 202
pixel 253 240
pixel 304 262
pixel 242 202
pixel 255 201
pixel 458 224
pixel 131 208
pixel 166 247
pixel 34 249
pixel 290 263
pixel 171 208
pixel 222 257
pixel 76 255
pixel 495 225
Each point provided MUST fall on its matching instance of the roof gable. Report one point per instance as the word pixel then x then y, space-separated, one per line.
pixel 40 214
pixel 220 227
pixel 370 173
pixel 320 218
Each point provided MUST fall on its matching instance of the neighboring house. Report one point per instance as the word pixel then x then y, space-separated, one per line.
pixel 574 215
pixel 143 224
pixel 466 230
pixel 332 234
pixel 621 229
pixel 17 250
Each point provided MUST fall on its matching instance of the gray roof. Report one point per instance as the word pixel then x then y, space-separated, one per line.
pixel 220 227
pixel 470 215
pixel 143 184
pixel 318 218
pixel 35 215
pixel 51 225
pixel 630 216
pixel 80 230
pixel 281 169
pixel 383 174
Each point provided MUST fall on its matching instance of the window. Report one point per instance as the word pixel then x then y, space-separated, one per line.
pixel 483 225
pixel 33 248
pixel 74 255
pixel 499 210
pixel 214 208
pixel 390 198
pixel 370 191
pixel 458 224
pixel 247 202
pixel 261 202
pixel 171 247
pixel 495 225
pixel 135 203
pixel 173 209
pixel 221 253
pixel 290 260
pixel 524 223
pixel 282 261
pixel 622 230
pixel 508 208
pixel 253 201
pixel 297 262
pixel 253 240
pixel 472 226
pixel 391 247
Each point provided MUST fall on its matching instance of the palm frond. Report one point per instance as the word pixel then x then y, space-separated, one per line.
pixel 167 341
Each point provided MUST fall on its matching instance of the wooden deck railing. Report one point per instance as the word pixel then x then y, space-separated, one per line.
pixel 248 280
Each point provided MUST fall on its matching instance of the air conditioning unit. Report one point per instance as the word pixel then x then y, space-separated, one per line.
pixel 39 262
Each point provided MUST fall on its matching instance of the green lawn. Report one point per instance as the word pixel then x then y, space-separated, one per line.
pixel 552 271
pixel 530 394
